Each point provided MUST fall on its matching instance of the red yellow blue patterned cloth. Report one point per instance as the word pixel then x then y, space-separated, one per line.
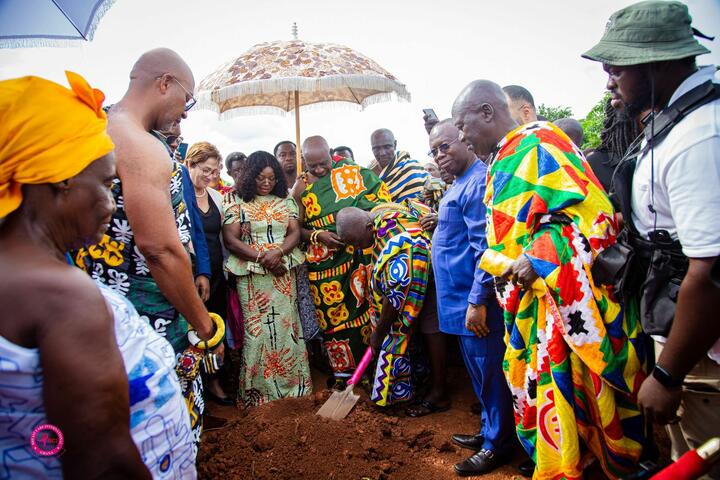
pixel 401 265
pixel 575 356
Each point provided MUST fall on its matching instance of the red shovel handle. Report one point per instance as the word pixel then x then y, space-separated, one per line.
pixel 361 368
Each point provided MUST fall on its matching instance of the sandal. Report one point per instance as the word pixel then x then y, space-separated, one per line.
pixel 425 407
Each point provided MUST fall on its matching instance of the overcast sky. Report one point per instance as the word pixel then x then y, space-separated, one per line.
pixel 434 47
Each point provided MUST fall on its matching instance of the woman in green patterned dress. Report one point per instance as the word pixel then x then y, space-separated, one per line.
pixel 262 232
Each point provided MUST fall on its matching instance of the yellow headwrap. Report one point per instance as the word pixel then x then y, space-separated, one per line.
pixel 48 133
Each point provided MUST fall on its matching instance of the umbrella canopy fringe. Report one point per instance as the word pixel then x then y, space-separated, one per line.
pixel 100 12
pixel 254 87
pixel 271 110
pixel 28 42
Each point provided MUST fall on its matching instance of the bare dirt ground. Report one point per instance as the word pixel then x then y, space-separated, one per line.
pixel 286 440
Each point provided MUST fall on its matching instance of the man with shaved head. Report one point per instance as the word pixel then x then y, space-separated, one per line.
pixel 404 177
pixel 338 273
pixel 567 337
pixel 521 104
pixel 572 129
pixel 399 278
pixel 144 254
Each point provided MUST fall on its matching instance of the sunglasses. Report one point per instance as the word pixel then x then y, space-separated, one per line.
pixel 443 147
pixel 190 100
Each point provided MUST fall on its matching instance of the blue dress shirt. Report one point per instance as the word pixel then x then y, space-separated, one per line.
pixel 458 243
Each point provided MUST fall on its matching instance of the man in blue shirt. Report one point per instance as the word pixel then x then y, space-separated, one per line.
pixel 467 306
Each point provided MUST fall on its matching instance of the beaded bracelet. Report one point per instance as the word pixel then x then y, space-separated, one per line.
pixel 213 342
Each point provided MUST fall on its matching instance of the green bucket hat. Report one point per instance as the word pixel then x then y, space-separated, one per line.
pixel 646 32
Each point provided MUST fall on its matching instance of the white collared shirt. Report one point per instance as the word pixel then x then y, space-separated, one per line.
pixel 686 180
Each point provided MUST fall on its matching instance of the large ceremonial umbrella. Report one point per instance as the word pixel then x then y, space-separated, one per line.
pixel 49 23
pixel 279 77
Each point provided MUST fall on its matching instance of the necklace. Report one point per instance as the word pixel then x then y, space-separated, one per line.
pixel 201 196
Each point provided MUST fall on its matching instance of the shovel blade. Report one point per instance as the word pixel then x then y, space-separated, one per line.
pixel 339 404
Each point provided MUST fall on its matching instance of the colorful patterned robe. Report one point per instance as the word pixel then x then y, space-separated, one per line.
pixel 273 361
pixel 401 265
pixel 575 356
pixel 339 279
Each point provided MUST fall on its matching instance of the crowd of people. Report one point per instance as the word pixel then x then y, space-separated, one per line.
pixel 580 286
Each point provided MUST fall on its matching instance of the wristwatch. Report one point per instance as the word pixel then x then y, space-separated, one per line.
pixel 665 379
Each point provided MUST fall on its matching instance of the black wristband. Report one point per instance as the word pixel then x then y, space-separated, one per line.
pixel 665 379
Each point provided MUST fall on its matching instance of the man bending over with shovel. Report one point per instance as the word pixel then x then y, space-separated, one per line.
pixel 401 264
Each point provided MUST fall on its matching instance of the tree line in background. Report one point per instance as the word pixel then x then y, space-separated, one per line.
pixel 592 123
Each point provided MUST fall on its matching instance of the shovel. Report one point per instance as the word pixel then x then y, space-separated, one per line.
pixel 339 404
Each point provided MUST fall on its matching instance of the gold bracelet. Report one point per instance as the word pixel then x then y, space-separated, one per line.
pixel 279 248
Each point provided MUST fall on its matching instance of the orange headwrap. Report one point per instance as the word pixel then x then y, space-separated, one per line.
pixel 48 133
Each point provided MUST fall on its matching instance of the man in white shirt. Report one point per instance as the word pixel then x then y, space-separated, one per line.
pixel 648 51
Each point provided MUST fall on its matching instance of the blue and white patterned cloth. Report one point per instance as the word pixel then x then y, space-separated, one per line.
pixel 159 420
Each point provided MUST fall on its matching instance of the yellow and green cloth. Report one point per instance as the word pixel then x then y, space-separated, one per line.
pixel 575 356
pixel 339 278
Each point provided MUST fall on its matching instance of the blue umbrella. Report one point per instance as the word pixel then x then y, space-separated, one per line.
pixel 49 23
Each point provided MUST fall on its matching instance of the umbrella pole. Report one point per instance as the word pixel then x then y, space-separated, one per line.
pixel 298 148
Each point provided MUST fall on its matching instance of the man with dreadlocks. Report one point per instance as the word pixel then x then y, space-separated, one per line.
pixel 671 205
pixel 618 132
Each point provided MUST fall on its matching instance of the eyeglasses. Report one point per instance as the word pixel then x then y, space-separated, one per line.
pixel 207 171
pixel 189 102
pixel 443 147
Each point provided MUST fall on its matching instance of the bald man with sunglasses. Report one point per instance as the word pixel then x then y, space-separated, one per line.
pixel 144 255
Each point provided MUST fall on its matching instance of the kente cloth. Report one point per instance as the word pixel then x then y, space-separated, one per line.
pixel 274 362
pixel 159 422
pixel 339 279
pixel 433 192
pixel 118 263
pixel 405 178
pixel 401 265
pixel 49 133
pixel 575 358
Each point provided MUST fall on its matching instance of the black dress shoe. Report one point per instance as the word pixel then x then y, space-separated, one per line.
pixel 471 442
pixel 482 462
pixel 527 468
